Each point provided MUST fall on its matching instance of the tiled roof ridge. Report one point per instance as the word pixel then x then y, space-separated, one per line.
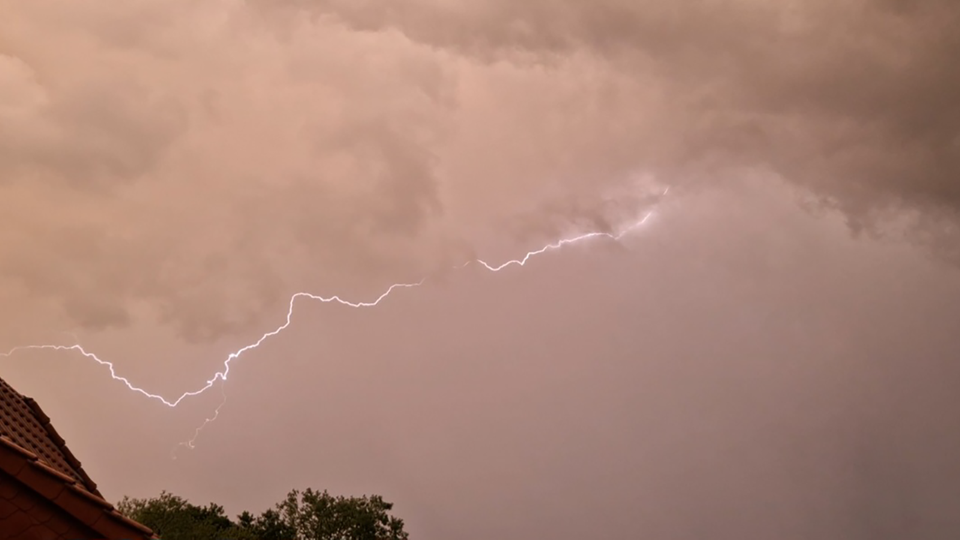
pixel 62 490
pixel 61 444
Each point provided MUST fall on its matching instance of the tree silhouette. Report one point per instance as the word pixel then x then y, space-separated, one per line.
pixel 307 515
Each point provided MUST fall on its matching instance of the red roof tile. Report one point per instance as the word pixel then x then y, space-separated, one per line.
pixel 44 492
pixel 23 422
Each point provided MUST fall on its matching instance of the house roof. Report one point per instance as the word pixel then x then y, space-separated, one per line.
pixel 32 452
pixel 24 423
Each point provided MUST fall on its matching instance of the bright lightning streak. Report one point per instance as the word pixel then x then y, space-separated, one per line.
pixel 563 242
pixel 191 444
pixel 222 375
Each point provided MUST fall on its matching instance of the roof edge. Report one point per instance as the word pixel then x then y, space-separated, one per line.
pixel 62 491
pixel 61 444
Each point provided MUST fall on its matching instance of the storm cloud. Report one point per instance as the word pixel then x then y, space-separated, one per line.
pixel 202 159
pixel 773 355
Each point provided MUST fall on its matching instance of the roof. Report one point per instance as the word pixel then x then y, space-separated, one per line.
pixel 24 423
pixel 34 454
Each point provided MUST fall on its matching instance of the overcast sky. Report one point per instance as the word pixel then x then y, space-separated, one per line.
pixel 774 354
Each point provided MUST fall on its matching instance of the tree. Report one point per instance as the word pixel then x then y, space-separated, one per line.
pixel 320 516
pixel 173 518
pixel 310 515
pixel 267 526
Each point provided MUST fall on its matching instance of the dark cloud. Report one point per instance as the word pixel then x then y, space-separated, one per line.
pixel 854 101
pixel 356 140
pixel 201 165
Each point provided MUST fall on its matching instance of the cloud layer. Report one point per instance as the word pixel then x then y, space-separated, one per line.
pixel 201 159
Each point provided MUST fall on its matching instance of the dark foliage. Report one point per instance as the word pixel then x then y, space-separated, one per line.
pixel 307 515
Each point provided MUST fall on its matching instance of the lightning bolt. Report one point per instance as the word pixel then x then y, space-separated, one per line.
pixel 220 375
pixel 563 242
pixel 191 443
pixel 224 373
